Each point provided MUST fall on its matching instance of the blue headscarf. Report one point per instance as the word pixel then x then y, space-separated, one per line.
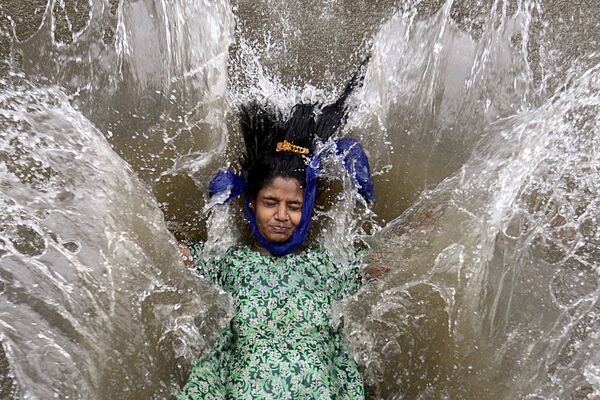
pixel 226 185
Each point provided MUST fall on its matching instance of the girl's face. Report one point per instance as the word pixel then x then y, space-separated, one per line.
pixel 278 209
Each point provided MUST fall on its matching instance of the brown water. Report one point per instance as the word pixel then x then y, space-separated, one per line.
pixel 481 120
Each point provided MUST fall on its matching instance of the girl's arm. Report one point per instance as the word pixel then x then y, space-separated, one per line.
pixel 210 269
pixel 188 260
pixel 375 271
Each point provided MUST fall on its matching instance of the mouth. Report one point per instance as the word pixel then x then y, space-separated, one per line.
pixel 280 228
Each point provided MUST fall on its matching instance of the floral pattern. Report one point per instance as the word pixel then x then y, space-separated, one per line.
pixel 280 343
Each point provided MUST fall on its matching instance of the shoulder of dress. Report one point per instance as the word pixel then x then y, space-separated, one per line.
pixel 236 250
pixel 198 250
pixel 321 250
pixel 316 253
pixel 309 251
pixel 243 252
pixel 356 255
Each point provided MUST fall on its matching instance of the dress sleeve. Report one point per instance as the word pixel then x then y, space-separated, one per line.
pixel 209 268
pixel 350 277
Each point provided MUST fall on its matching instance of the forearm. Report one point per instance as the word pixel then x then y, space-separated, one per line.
pixel 188 259
pixel 374 271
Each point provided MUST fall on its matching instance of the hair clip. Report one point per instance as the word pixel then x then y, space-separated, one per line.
pixel 292 148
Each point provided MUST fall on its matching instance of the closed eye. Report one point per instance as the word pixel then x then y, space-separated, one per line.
pixel 295 207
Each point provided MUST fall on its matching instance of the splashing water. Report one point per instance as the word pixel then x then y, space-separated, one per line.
pixel 498 279
pixel 481 119
pixel 90 277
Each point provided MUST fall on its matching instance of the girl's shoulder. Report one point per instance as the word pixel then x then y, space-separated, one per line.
pixel 328 262
pixel 201 252
pixel 342 272
pixel 314 253
pixel 347 257
pixel 242 253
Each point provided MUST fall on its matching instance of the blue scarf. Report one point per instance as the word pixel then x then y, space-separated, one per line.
pixel 228 185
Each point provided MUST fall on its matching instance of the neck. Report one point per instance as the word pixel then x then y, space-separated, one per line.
pixel 261 249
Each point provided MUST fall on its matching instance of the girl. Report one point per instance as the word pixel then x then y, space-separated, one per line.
pixel 280 343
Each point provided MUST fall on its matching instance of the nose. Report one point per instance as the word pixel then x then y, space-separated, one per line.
pixel 281 213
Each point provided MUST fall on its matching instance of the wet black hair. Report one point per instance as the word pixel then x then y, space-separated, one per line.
pixel 263 126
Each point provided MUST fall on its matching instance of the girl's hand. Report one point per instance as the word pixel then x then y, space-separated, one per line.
pixel 375 271
pixel 188 260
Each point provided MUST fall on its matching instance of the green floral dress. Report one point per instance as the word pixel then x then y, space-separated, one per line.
pixel 280 343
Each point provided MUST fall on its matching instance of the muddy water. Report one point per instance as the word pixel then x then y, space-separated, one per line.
pixel 481 122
